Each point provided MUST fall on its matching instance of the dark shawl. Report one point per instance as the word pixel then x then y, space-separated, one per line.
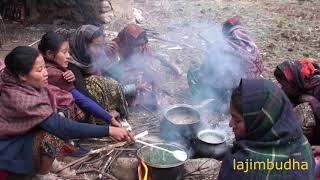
pixel 81 62
pixel 21 106
pixel 303 74
pixel 273 133
pixel 80 53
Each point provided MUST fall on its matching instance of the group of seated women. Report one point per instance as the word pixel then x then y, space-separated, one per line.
pixel 56 93
pixel 80 86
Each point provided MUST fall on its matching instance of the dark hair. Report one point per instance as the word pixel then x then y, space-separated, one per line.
pixel 21 59
pixel 51 41
pixel 278 74
pixel 236 98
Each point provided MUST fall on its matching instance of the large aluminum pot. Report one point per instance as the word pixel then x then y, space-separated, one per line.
pixel 180 121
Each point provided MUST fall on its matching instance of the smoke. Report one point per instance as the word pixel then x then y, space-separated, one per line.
pixel 100 60
pixel 220 71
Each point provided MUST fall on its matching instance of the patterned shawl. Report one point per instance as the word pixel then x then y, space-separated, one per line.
pixel 59 86
pixel 135 66
pixel 273 134
pixel 79 48
pixel 21 106
pixel 235 52
pixel 303 74
pixel 1 65
pixel 127 40
pixel 247 51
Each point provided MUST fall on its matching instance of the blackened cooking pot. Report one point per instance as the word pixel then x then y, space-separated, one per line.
pixel 162 165
pixel 179 121
pixel 210 144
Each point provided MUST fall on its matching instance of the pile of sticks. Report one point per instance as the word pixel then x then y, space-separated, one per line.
pixel 97 161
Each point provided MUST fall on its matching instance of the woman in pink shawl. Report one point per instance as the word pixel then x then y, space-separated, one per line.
pixel 131 45
pixel 234 57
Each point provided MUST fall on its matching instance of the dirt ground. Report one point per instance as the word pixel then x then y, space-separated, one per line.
pixel 282 29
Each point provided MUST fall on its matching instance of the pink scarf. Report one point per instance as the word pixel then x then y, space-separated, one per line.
pixel 22 107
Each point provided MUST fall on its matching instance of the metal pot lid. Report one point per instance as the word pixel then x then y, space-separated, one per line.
pixel 211 136
pixel 170 162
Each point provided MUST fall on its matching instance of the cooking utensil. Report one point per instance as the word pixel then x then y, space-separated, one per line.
pixel 204 103
pixel 140 135
pixel 210 143
pixel 161 165
pixel 178 154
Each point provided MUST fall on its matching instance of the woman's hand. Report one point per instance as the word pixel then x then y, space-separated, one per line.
pixel 69 76
pixel 315 150
pixel 142 84
pixel 115 115
pixel 120 134
pixel 115 123
pixel 306 98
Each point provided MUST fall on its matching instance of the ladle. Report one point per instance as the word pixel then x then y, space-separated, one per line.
pixel 179 155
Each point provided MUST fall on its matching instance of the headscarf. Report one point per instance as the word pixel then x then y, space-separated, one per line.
pixel 303 74
pixel 79 47
pixel 22 107
pixel 127 39
pixel 274 134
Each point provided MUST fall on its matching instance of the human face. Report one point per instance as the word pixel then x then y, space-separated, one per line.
pixel 96 46
pixel 140 45
pixel 62 57
pixel 38 76
pixel 237 123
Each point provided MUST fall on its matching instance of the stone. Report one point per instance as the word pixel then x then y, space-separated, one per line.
pixel 306 118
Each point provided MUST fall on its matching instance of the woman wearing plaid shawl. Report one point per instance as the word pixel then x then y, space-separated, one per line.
pixel 269 141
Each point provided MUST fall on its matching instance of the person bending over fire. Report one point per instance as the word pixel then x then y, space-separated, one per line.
pixel 233 56
pixel 300 80
pixel 135 66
